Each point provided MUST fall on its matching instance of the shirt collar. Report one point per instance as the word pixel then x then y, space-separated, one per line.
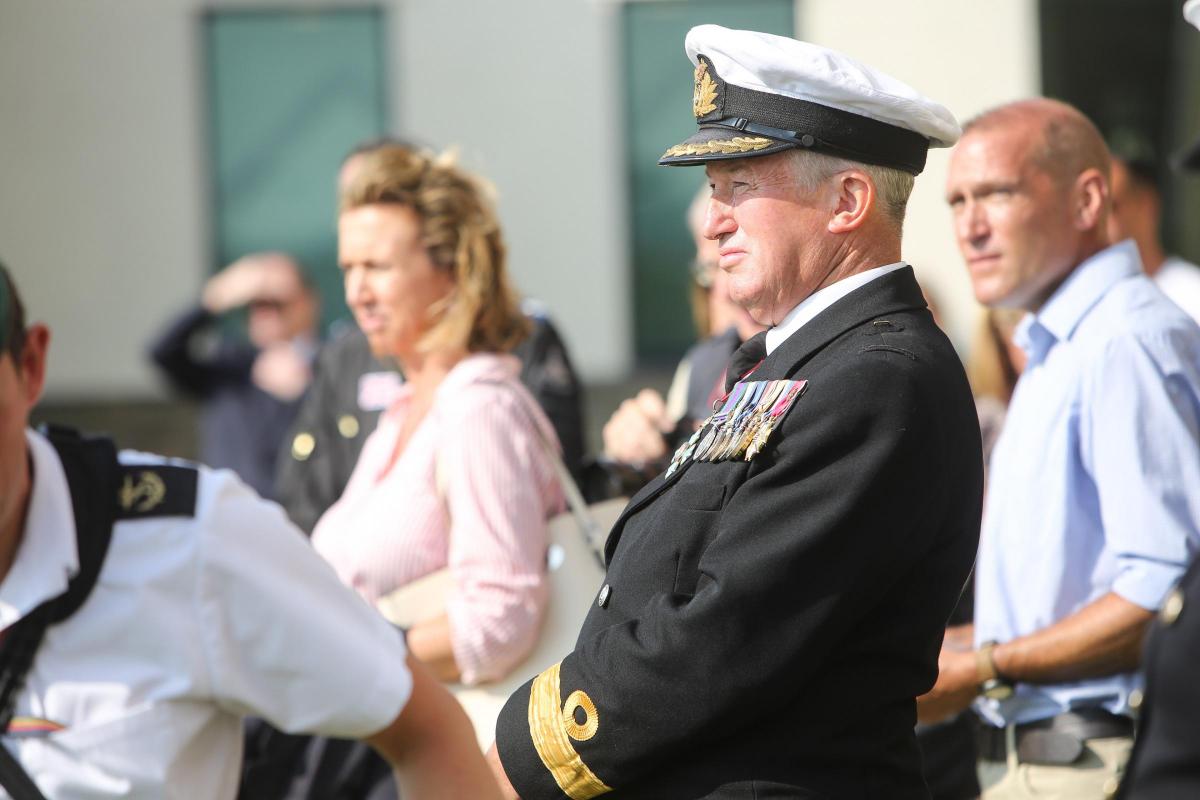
pixel 1084 287
pixel 475 368
pixel 820 300
pixel 47 557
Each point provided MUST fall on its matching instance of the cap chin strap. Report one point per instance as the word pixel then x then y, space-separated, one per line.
pixel 806 141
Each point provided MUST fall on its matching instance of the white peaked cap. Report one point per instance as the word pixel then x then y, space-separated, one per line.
pixel 779 65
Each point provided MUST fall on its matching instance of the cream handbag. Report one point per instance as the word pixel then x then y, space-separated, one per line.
pixel 575 567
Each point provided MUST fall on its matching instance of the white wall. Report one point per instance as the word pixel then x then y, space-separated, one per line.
pixel 969 56
pixel 104 218
pixel 103 214
pixel 531 93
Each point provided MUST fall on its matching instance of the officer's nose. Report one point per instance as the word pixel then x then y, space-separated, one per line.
pixel 718 221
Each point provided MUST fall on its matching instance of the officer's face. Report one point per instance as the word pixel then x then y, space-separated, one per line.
pixel 20 386
pixel 772 237
pixel 1012 220
pixel 391 283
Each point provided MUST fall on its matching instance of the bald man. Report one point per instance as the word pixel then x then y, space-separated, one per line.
pixel 1094 491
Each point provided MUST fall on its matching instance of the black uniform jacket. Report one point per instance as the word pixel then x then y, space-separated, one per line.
pixel 766 625
pixel 1165 764
pixel 241 426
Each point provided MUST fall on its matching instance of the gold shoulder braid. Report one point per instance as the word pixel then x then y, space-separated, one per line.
pixel 552 726
pixel 738 144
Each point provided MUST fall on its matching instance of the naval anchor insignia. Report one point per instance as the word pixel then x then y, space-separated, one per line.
pixel 145 494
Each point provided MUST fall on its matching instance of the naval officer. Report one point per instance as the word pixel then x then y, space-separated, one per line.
pixel 775 601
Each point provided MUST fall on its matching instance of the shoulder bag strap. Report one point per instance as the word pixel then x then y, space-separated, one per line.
pixel 579 507
pixel 91 469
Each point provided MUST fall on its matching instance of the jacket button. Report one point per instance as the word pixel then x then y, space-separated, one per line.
pixel 347 426
pixel 605 593
pixel 303 446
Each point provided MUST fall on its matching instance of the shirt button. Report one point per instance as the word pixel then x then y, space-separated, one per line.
pixel 605 593
pixel 1172 608
pixel 348 426
pixel 1135 699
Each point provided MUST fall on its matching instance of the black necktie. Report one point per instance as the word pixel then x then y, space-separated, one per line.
pixel 746 358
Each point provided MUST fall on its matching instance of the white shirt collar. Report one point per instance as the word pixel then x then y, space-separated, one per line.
pixel 822 299
pixel 46 557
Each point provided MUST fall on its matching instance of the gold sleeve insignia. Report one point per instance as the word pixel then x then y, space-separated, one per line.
pixel 552 726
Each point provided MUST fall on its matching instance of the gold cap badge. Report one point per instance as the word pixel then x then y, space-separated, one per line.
pixel 705 95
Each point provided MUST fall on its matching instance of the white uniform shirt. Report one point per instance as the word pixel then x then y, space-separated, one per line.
pixel 1180 281
pixel 193 623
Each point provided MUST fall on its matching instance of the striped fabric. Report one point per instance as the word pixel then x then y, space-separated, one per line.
pixel 487 522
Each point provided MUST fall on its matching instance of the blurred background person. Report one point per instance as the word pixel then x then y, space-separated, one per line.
pixel 1165 763
pixel 352 385
pixel 994 363
pixel 250 388
pixel 456 474
pixel 993 366
pixel 646 428
pixel 1137 214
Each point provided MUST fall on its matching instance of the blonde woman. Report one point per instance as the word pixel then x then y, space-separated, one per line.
pixel 456 475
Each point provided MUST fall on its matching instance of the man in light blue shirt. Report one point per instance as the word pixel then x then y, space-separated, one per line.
pixel 1094 494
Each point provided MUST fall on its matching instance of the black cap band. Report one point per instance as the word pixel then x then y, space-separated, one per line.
pixel 761 123
pixel 831 130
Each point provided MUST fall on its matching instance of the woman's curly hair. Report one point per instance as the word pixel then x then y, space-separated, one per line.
pixel 462 235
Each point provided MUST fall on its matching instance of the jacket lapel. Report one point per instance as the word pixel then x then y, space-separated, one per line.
pixel 896 291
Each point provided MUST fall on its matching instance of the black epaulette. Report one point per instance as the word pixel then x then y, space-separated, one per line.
pixel 145 491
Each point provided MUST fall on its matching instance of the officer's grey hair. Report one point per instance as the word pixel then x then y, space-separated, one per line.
pixel 892 186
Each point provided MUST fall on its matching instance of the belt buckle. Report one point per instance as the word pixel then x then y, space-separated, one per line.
pixel 1048 748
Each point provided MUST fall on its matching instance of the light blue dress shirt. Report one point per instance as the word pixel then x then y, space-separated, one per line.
pixel 1094 485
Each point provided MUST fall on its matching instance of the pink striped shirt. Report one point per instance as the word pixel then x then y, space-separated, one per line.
pixel 393 525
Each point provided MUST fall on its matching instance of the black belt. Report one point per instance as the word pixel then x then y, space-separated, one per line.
pixel 1056 740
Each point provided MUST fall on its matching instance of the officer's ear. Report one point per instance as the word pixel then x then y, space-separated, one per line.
pixel 31 365
pixel 855 198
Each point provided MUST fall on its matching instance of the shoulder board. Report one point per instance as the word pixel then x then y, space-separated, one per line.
pixel 145 491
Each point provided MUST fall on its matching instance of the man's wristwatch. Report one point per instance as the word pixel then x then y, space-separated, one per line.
pixel 991 683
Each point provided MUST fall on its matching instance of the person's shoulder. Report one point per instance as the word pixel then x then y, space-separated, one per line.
pixel 484 391
pixel 151 486
pixel 717 346
pixel 347 350
pixel 1136 313
pixel 896 344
